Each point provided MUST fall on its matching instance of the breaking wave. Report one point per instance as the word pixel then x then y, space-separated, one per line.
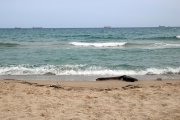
pixel 107 44
pixel 126 45
pixel 79 70
pixel 178 36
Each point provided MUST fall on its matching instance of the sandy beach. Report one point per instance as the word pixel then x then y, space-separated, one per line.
pixel 105 100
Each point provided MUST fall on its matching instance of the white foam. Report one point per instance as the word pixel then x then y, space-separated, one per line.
pixel 79 70
pixel 128 45
pixel 173 45
pixel 123 72
pixel 178 36
pixel 106 44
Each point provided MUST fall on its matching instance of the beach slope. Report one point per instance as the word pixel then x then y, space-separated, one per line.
pixel 109 100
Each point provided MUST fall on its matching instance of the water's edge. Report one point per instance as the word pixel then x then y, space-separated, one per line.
pixel 83 77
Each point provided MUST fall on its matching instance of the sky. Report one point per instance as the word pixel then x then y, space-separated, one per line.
pixel 89 13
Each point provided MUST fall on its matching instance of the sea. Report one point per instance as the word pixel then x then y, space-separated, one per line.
pixel 88 53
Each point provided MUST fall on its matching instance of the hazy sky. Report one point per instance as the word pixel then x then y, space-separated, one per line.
pixel 89 13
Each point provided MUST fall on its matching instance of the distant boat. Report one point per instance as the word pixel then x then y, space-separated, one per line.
pixel 160 26
pixel 17 28
pixel 37 27
pixel 107 27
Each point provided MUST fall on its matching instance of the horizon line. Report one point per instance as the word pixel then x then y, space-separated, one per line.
pixel 109 27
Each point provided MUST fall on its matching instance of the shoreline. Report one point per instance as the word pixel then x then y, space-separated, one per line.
pixel 86 77
pixel 79 100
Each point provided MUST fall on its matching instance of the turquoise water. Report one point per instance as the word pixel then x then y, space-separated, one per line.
pixel 93 51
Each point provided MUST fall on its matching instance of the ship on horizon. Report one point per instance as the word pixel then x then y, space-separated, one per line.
pixel 161 26
pixel 17 28
pixel 107 27
pixel 37 27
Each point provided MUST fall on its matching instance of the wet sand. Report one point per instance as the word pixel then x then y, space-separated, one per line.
pixel 89 100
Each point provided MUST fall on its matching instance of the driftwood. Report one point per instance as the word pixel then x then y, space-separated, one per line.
pixel 124 78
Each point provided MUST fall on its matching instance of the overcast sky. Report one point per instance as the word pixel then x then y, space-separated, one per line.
pixel 89 13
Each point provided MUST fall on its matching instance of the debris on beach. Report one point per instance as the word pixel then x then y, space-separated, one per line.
pixel 123 78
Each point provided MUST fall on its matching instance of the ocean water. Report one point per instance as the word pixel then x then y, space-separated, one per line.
pixel 90 51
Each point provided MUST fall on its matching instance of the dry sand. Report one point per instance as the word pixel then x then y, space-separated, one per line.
pixel 110 100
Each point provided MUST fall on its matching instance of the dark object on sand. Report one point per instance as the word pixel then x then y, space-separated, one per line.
pixel 124 78
pixel 55 86
pixel 159 79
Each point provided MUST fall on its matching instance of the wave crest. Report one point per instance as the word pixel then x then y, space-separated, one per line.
pixel 107 44
pixel 79 70
pixel 178 36
pixel 126 45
